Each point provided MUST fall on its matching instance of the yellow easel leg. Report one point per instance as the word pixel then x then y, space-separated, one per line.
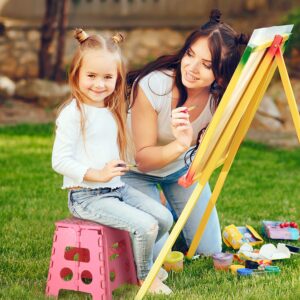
pixel 288 91
pixel 236 141
pixel 171 239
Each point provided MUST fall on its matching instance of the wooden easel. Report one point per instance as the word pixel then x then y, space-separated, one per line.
pixel 224 136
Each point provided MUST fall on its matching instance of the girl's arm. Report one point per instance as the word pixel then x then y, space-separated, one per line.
pixel 68 135
pixel 66 138
pixel 149 155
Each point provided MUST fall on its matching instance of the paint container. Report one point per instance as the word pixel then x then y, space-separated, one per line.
pixel 222 261
pixel 250 264
pixel 174 261
pixel 234 268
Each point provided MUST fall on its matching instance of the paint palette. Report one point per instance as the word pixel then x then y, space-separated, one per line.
pixel 278 230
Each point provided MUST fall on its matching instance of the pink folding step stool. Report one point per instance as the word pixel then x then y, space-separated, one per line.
pixel 91 258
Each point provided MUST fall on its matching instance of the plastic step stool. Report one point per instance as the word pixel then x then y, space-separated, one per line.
pixel 91 258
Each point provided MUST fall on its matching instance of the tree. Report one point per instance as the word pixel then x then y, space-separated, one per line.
pixel 55 19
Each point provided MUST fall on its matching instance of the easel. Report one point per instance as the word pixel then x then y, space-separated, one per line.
pixel 223 139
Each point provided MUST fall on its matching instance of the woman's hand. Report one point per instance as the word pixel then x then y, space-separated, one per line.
pixel 181 127
pixel 111 169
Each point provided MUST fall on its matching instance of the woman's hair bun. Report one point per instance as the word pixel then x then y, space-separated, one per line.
pixel 242 39
pixel 215 16
pixel 118 38
pixel 80 35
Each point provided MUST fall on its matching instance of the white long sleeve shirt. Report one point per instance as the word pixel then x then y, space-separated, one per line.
pixel 74 154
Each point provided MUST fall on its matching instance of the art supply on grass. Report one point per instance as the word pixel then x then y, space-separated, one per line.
pixel 293 249
pixel 236 236
pixel 272 269
pixel 279 230
pixel 244 272
pixel 174 261
pixel 222 261
pixel 250 264
pixel 250 272
pixel 234 268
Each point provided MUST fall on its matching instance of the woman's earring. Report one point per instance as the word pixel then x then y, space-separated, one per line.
pixel 214 86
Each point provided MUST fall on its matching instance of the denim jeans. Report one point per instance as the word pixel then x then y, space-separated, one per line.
pixel 177 197
pixel 127 209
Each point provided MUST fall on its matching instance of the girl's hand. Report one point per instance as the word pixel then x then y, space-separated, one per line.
pixel 112 169
pixel 181 127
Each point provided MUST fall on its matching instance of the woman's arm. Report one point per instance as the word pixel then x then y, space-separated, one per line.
pixel 150 156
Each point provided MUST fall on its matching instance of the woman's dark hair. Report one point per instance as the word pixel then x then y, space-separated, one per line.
pixel 224 45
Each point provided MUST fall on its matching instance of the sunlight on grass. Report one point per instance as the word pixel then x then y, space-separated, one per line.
pixel 263 184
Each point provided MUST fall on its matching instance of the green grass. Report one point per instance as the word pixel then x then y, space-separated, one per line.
pixel 263 184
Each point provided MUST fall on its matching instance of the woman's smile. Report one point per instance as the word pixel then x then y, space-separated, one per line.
pixel 190 77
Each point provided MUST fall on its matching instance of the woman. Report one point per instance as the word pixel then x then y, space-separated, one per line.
pixel 165 131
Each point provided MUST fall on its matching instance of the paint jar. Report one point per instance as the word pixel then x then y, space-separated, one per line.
pixel 234 268
pixel 174 261
pixel 222 261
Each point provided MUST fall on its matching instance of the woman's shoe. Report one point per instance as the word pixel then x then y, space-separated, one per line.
pixel 162 274
pixel 158 287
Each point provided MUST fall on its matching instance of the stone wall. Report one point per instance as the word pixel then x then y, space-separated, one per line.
pixel 129 13
pixel 19 53
pixel 19 48
pixel 20 38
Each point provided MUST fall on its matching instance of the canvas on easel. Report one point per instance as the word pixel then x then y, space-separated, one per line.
pixel 229 126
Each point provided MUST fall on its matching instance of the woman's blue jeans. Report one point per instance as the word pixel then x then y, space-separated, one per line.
pixel 128 209
pixel 177 197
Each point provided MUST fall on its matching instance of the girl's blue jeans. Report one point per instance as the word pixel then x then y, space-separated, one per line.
pixel 127 209
pixel 177 197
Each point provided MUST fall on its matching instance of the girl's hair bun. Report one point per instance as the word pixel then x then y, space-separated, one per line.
pixel 118 38
pixel 215 16
pixel 80 35
pixel 242 39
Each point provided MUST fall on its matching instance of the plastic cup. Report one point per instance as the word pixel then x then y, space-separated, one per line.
pixel 174 261
pixel 222 261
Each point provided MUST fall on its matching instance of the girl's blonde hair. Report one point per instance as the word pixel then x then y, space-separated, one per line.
pixel 116 102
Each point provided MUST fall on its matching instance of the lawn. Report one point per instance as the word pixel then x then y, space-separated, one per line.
pixel 263 184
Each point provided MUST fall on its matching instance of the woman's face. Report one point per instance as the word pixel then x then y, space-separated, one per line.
pixel 196 66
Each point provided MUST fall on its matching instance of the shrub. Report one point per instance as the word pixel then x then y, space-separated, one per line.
pixel 294 18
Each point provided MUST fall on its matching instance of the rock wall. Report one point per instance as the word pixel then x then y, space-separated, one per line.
pixel 19 53
pixel 19 48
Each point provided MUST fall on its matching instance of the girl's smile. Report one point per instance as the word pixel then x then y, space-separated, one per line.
pixel 97 76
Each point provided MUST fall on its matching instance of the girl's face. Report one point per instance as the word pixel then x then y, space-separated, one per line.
pixel 97 76
pixel 196 66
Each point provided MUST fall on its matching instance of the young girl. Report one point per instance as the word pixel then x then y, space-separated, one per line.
pixel 90 146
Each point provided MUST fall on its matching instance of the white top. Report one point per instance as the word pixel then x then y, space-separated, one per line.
pixel 74 154
pixel 157 87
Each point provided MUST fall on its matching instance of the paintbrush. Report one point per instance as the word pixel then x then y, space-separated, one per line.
pixel 127 165
pixel 190 108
